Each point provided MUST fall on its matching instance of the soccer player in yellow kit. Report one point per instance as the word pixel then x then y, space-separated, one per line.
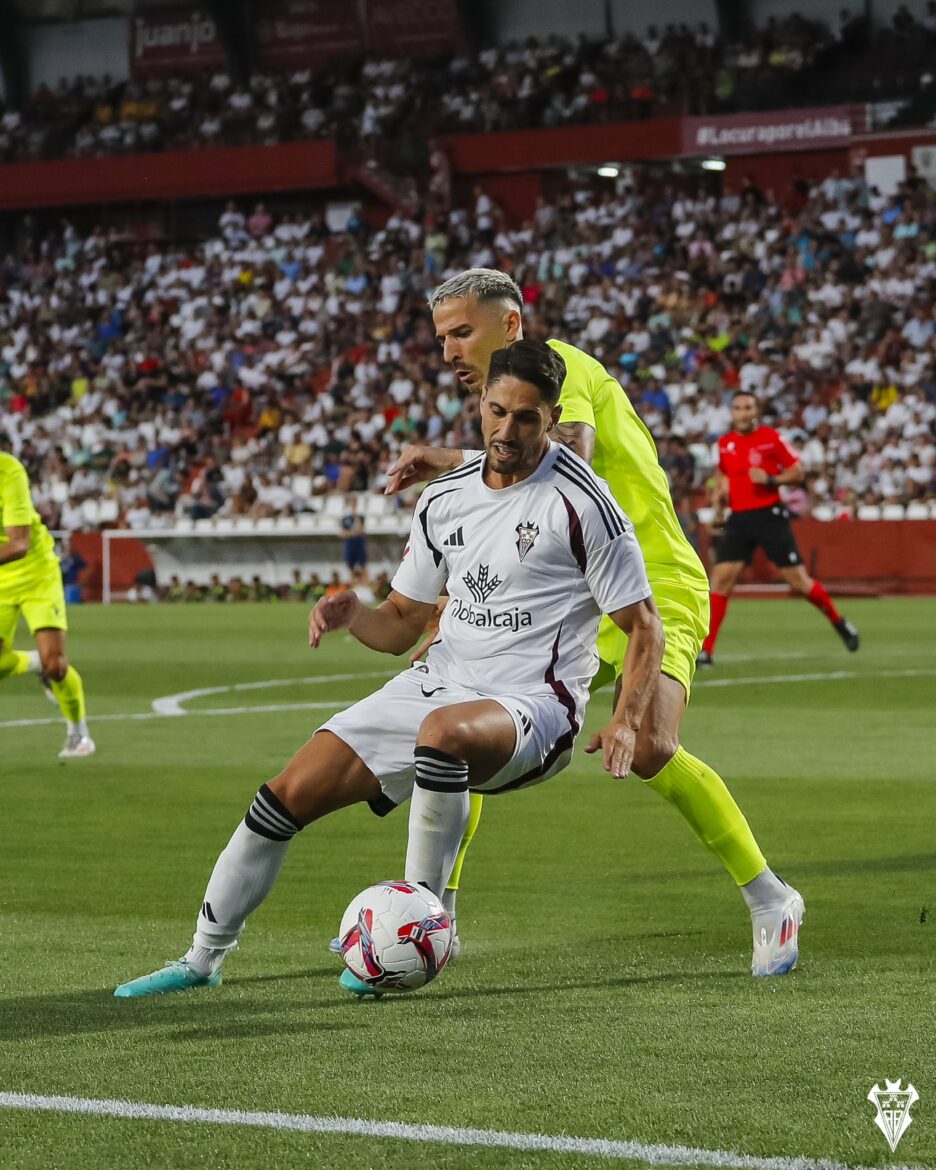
pixel 31 585
pixel 480 311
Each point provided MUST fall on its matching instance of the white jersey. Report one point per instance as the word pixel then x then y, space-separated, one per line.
pixel 529 569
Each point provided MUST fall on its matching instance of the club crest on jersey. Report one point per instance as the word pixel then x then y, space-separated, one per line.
pixel 483 585
pixel 527 533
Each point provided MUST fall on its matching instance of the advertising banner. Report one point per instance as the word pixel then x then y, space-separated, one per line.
pixel 812 129
pixel 308 33
pixel 174 41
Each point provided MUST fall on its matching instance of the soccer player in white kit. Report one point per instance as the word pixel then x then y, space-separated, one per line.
pixel 532 549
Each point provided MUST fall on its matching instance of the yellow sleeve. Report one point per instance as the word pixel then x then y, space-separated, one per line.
pixel 578 390
pixel 16 501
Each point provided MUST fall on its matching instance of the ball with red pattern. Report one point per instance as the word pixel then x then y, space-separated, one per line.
pixel 396 936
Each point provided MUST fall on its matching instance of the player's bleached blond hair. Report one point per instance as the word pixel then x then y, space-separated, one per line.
pixel 487 284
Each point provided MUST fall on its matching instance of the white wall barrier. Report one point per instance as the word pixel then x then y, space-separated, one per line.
pixel 271 548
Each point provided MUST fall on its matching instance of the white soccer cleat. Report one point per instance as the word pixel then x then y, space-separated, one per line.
pixel 776 936
pixel 77 746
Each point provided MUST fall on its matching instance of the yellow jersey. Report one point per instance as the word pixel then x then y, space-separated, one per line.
pixel 626 456
pixel 17 511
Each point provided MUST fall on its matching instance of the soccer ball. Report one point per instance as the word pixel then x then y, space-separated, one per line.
pixel 396 936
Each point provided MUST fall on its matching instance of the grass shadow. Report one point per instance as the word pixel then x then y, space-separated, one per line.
pixel 209 1015
pixel 32 1017
pixel 611 982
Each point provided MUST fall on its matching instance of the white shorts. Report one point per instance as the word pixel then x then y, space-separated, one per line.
pixel 382 730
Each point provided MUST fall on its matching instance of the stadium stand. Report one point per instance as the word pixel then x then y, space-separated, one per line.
pixel 552 81
pixel 250 377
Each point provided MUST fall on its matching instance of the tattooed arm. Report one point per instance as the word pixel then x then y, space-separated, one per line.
pixel 577 436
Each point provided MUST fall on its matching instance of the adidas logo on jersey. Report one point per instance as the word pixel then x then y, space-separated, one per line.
pixel 454 539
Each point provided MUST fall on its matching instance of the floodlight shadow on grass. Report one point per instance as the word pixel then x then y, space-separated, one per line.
pixel 77 1013
pixel 280 977
pixel 919 863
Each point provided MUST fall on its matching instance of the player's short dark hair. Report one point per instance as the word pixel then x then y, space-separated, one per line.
pixel 744 394
pixel 530 361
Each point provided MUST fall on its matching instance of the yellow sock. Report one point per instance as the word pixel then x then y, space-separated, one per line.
pixel 701 796
pixel 70 695
pixel 474 815
pixel 13 662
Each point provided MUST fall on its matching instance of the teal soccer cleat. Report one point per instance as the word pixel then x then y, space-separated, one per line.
pixel 177 975
pixel 357 986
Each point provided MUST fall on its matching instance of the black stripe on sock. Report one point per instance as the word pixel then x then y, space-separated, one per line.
pixel 277 805
pixel 430 753
pixel 262 831
pixel 269 817
pixel 269 814
pixel 259 814
pixel 441 786
pixel 437 771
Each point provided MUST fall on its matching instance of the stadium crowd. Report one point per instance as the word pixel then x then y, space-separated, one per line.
pixel 278 362
pixel 551 81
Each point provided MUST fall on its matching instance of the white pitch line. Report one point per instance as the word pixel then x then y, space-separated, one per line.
pixel 272 708
pixel 135 716
pixel 625 1151
pixel 172 704
pixel 829 676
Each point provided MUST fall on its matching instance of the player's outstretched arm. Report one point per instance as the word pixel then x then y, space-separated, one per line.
pixel 645 642
pixel 391 628
pixel 416 464
pixel 17 543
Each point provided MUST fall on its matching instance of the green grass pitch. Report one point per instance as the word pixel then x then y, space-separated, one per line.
pixel 604 989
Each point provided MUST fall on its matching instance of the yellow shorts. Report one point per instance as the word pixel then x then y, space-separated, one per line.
pixel 38 596
pixel 684 611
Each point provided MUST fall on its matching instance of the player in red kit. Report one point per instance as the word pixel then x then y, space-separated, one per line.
pixel 754 461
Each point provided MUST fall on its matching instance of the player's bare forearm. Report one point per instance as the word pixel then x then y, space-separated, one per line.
pixel 577 436
pixel 789 475
pixel 645 642
pixel 417 463
pixel 16 546
pixel 391 628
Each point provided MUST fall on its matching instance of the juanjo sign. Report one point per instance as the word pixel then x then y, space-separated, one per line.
pixel 171 41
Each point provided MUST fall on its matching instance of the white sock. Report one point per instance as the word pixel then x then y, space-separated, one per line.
pixel 79 728
pixel 242 877
pixel 764 892
pixel 206 960
pixel 35 662
pixel 449 898
pixel 438 816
